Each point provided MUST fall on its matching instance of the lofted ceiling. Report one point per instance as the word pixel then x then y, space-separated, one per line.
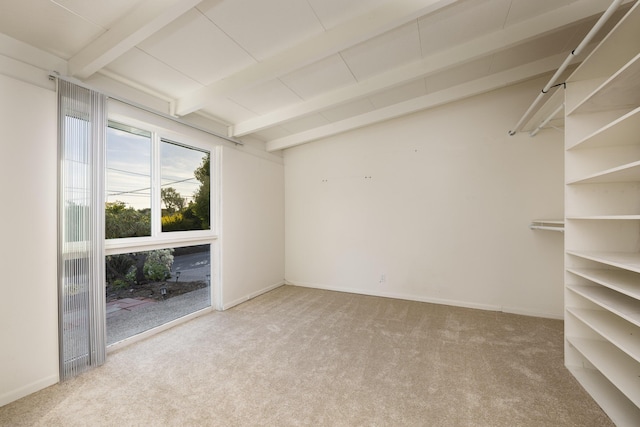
pixel 288 72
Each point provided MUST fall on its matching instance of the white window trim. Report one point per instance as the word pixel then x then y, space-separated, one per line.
pixel 158 238
pixel 165 129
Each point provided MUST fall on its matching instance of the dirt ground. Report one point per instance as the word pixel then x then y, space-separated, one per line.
pixel 153 290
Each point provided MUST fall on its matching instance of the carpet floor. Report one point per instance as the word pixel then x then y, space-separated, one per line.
pixel 307 357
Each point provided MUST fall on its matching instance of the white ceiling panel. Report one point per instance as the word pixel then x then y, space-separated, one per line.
pixel 334 12
pixel 103 13
pixel 265 97
pixel 48 26
pixel 325 75
pixel 470 71
pixel 399 94
pixel 524 9
pixel 350 109
pixel 549 45
pixel 385 52
pixel 145 70
pixel 264 28
pixel 461 22
pixel 193 45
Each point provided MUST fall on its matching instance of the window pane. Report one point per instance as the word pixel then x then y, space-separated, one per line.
pixel 75 182
pixel 128 182
pixel 148 289
pixel 185 190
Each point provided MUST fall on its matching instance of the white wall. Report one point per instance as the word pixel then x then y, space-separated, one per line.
pixel 28 295
pixel 252 237
pixel 437 204
pixel 251 240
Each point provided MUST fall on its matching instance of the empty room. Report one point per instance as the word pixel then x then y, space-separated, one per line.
pixel 320 212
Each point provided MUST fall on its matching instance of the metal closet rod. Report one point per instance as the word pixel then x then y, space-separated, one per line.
pixel 56 75
pixel 547 120
pixel 587 39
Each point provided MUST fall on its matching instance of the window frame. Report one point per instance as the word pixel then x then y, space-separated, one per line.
pixel 159 239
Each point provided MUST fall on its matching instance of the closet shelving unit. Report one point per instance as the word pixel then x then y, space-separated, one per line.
pixel 602 223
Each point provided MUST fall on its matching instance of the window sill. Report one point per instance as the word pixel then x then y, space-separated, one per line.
pixel 119 246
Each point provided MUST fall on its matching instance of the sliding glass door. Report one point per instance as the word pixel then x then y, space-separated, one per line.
pixel 148 289
pixel 158 230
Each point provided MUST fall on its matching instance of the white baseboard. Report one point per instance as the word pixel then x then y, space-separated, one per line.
pixel 226 306
pixel 419 298
pixel 532 313
pixel 28 389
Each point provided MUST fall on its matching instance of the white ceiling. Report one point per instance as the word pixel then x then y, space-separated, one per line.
pixel 292 71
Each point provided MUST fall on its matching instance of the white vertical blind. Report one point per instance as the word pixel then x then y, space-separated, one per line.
pixel 81 136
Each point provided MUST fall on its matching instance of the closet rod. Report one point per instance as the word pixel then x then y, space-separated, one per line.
pixel 547 120
pixel 546 227
pixel 56 75
pixel 587 39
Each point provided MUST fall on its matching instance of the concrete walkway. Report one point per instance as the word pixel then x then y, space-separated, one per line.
pixel 115 308
pixel 130 316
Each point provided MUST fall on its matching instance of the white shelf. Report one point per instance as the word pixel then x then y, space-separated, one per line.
pixel 620 333
pixel 620 91
pixel 626 260
pixel 625 173
pixel 619 408
pixel 602 123
pixel 547 224
pixel 621 305
pixel 625 282
pixel 605 217
pixel 616 366
pixel 623 131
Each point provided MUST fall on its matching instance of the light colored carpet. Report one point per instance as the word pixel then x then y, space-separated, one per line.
pixel 297 356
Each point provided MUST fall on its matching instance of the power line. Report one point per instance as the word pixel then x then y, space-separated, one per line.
pixel 129 172
pixel 176 182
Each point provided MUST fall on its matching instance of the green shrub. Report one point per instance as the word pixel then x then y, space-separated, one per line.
pixel 122 221
pixel 181 221
pixel 120 284
pixel 120 270
pixel 158 264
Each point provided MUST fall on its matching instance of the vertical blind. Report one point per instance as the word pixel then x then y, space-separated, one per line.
pixel 81 295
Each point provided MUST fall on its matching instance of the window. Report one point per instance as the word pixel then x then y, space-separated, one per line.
pixel 150 288
pixel 128 178
pixel 158 229
pixel 145 198
pixel 185 187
